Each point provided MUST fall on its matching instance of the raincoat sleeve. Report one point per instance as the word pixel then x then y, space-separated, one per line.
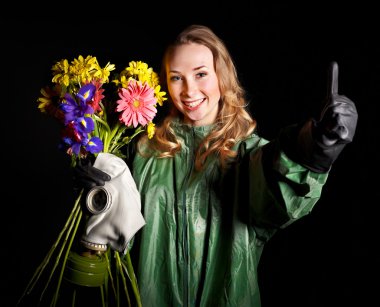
pixel 280 191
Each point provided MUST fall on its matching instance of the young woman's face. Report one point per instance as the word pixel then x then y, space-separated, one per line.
pixel 193 84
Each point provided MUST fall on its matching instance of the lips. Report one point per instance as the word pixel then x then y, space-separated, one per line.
pixel 194 104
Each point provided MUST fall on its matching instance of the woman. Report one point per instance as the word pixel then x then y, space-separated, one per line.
pixel 212 191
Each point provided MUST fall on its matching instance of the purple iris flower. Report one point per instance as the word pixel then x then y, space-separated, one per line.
pixel 77 108
pixel 77 122
pixel 94 145
pixel 73 141
pixel 84 124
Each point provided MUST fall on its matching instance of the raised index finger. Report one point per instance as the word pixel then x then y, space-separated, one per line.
pixel 332 85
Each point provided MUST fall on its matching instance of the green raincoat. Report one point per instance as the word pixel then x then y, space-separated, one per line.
pixel 205 231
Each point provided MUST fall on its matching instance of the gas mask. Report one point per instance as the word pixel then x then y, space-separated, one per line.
pixel 115 207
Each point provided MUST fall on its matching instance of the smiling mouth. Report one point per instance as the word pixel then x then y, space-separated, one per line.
pixel 193 104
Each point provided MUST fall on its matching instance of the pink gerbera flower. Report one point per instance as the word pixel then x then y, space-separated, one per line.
pixel 137 104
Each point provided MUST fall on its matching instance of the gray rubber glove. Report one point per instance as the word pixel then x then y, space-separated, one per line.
pixel 87 176
pixel 316 144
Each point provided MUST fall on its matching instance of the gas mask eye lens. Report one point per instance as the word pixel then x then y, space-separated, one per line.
pixel 98 200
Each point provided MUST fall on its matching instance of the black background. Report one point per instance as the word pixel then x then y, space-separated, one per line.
pixel 282 52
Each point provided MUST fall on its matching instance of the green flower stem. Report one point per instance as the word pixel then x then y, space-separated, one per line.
pixel 44 263
pixel 137 131
pixel 105 133
pixel 120 270
pixel 117 132
pixel 110 272
pixel 96 132
pixel 102 295
pixel 106 140
pixel 78 219
pixel 106 288
pixel 73 300
pixel 117 287
pixel 131 274
pixel 104 123
pixel 116 145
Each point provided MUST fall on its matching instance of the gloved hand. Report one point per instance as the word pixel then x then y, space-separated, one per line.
pixel 87 176
pixel 319 142
pixel 115 207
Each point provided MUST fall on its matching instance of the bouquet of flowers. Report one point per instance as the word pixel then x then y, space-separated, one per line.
pixel 98 115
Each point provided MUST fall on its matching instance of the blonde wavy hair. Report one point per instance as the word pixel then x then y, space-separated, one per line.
pixel 233 122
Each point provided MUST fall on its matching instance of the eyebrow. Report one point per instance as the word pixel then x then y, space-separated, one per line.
pixel 194 69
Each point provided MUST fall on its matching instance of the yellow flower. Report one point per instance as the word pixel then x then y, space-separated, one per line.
pixel 155 79
pixel 104 73
pixel 84 68
pixel 61 72
pixel 159 95
pixel 135 68
pixel 70 77
pixel 49 97
pixel 45 100
pixel 138 71
pixel 151 129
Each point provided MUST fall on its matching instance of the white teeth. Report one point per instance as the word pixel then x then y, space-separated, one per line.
pixel 194 103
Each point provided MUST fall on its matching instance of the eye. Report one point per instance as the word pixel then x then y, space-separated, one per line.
pixel 98 200
pixel 175 78
pixel 201 75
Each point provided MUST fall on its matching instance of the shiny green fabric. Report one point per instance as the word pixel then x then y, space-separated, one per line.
pixel 205 231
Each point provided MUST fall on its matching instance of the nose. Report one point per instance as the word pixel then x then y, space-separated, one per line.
pixel 189 88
